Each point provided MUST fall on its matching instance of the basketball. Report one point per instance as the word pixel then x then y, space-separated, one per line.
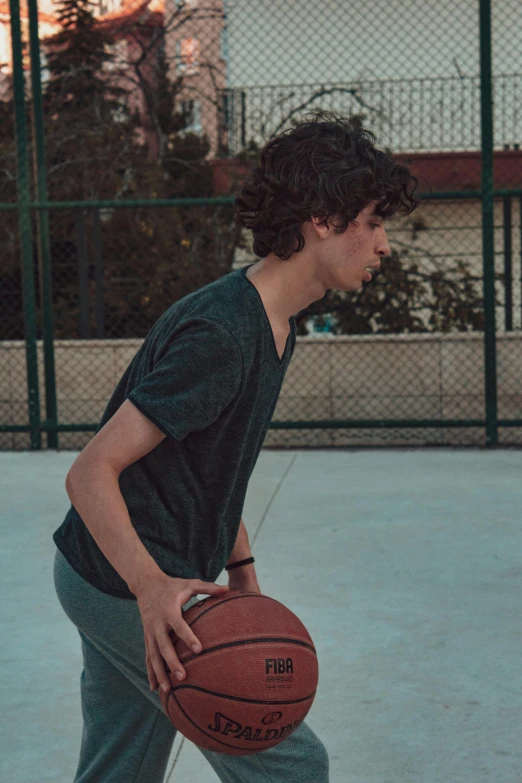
pixel 254 681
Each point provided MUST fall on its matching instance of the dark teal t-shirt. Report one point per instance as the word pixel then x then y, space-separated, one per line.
pixel 208 375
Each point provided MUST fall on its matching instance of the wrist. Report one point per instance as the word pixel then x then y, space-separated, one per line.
pixel 241 550
pixel 244 578
pixel 237 563
pixel 144 572
pixel 145 578
pixel 243 574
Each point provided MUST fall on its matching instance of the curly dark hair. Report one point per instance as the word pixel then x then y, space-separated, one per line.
pixel 326 166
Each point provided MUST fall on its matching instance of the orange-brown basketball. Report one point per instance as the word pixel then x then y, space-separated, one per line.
pixel 254 681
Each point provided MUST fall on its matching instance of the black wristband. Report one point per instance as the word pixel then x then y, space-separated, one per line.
pixel 239 563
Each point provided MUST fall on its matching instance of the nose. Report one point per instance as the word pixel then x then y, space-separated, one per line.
pixel 384 248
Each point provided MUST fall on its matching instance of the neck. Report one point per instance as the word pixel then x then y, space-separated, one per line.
pixel 285 287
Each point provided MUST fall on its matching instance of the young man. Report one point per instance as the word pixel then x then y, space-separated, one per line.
pixel 157 494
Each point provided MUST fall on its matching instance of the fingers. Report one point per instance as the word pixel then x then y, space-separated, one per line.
pixel 153 682
pixel 157 659
pixel 161 651
pixel 209 588
pixel 161 655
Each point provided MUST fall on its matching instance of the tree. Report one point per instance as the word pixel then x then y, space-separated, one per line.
pixel 151 256
pixel 88 134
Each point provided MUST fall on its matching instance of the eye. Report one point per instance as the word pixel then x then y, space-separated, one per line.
pixel 375 225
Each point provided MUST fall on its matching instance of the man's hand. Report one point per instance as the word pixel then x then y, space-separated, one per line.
pixel 160 600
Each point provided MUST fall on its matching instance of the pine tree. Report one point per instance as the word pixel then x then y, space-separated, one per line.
pixel 76 61
pixel 89 132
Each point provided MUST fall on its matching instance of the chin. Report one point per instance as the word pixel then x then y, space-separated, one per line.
pixel 349 285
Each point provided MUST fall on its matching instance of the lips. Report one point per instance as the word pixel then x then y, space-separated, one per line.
pixel 369 269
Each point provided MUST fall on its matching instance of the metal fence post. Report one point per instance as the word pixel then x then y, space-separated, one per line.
pixel 488 258
pixel 520 245
pixel 43 227
pixel 508 266
pixel 24 221
pixel 83 276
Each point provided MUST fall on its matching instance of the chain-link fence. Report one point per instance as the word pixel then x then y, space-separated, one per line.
pixel 170 103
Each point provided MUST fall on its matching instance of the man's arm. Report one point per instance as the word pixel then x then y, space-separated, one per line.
pixel 241 548
pixel 93 488
pixel 243 576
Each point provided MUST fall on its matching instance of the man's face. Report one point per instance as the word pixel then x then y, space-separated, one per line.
pixel 343 257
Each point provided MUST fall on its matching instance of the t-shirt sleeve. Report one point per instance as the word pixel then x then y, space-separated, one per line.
pixel 198 375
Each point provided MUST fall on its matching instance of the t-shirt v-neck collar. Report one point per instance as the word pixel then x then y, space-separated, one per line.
pixel 281 360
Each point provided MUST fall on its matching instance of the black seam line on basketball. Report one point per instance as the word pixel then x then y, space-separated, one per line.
pixel 250 641
pixel 238 698
pixel 233 598
pixel 171 695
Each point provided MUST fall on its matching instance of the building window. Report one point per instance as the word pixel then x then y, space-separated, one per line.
pixel 187 55
pixel 108 6
pixel 119 51
pixel 193 110
pixel 46 75
pixel 5 47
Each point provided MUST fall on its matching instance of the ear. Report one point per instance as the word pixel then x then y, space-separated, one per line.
pixel 321 226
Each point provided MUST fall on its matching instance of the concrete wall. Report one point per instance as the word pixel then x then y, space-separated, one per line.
pixel 423 376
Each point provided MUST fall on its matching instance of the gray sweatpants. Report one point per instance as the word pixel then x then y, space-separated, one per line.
pixel 127 738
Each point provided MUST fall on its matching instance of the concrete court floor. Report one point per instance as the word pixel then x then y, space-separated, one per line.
pixel 404 565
